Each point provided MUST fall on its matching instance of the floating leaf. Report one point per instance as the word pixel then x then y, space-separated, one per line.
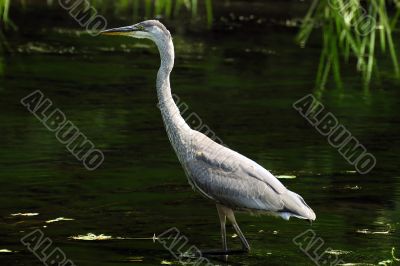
pixel 25 214
pixel 367 231
pixel 91 237
pixel 59 219
pixel 337 252
pixel 286 176
pixel 6 251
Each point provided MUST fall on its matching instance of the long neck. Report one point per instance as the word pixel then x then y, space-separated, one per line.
pixel 177 129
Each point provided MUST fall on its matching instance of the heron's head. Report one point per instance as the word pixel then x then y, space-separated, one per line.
pixel 149 29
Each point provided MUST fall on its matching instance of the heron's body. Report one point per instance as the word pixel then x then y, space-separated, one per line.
pixel 222 175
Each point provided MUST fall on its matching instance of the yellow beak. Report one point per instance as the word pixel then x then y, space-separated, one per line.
pixel 128 30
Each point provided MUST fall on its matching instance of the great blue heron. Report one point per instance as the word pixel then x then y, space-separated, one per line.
pixel 222 175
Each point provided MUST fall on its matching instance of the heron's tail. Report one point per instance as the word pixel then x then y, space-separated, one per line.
pixel 294 205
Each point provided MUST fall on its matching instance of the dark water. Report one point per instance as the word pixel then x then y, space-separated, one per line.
pixel 242 84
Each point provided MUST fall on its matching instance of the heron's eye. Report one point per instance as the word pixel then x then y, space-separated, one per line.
pixel 140 27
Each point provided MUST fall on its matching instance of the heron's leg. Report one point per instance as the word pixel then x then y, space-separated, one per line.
pixel 225 252
pixel 222 220
pixel 245 244
pixel 223 213
pixel 231 217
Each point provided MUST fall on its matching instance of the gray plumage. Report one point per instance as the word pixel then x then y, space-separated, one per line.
pixel 220 174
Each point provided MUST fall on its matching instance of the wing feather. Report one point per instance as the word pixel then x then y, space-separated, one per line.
pixel 230 178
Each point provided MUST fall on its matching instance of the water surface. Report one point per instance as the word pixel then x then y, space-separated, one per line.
pixel 242 84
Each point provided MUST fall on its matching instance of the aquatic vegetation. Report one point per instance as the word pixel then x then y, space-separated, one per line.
pixel 138 8
pixel 5 21
pixel 351 29
pixel 4 8
pixel 150 8
pixel 390 261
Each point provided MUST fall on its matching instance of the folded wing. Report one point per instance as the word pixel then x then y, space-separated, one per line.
pixel 233 180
